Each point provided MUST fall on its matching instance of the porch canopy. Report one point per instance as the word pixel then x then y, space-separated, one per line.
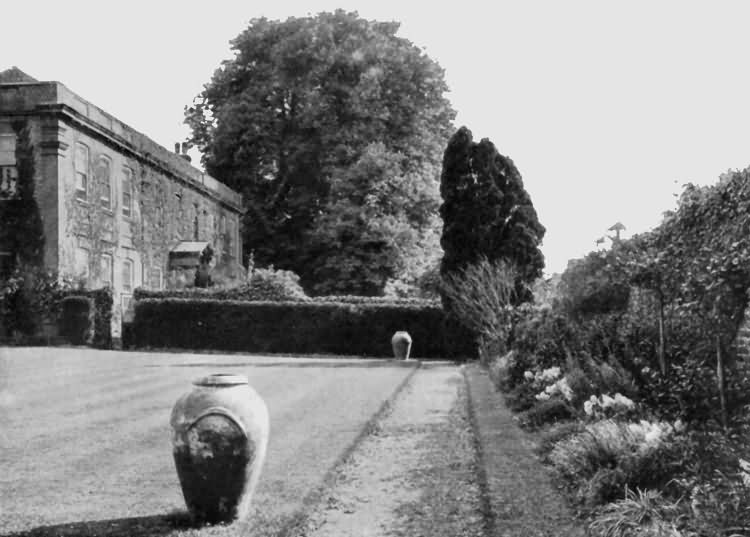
pixel 186 255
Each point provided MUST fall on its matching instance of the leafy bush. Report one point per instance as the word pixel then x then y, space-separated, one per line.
pixel 263 285
pixel 607 456
pixel 502 369
pixel 28 297
pixel 639 514
pixel 520 398
pixel 480 296
pixel 103 301
pixel 547 411
pixel 77 321
pixel 715 481
pixel 296 327
pixel 557 432
pixel 593 285
pixel 355 299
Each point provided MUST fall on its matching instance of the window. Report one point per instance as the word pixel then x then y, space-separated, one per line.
pixel 127 275
pixel 7 150
pixel 127 191
pixel 8 182
pixel 82 171
pixel 223 224
pixel 8 170
pixel 155 278
pixel 106 270
pixel 104 178
pixel 81 264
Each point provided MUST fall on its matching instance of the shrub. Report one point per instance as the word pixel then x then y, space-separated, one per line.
pixel 548 411
pixel 480 296
pixel 607 456
pixel 557 432
pixel 502 369
pixel 77 321
pixel 28 297
pixel 296 327
pixel 103 301
pixel 521 398
pixel 720 506
pixel 356 299
pixel 639 514
pixel 263 285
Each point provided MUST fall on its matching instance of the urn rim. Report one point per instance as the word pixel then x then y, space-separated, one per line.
pixel 221 379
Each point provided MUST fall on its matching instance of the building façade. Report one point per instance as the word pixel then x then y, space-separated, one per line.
pixel 116 208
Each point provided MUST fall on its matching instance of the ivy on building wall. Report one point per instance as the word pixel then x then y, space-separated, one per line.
pixel 22 233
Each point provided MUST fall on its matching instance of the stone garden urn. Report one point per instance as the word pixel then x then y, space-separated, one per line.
pixel 401 342
pixel 219 437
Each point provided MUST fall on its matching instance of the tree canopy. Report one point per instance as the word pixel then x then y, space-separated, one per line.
pixel 487 212
pixel 331 126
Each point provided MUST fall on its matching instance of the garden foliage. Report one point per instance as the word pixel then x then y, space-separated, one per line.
pixel 297 327
pixel 332 127
pixel 487 213
pixel 642 335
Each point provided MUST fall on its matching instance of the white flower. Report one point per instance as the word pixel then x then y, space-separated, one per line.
pixel 588 407
pixel 653 435
pixel 551 373
pixel 528 375
pixel 565 388
pixel 624 401
pixel 542 396
pixel 745 473
pixel 607 401
pixel 679 425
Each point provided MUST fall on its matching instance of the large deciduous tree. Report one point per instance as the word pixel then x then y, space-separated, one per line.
pixel 308 108
pixel 487 212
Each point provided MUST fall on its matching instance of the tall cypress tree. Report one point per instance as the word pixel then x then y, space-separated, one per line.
pixel 487 212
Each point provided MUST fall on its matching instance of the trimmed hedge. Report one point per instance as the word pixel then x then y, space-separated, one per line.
pixel 356 299
pixel 297 327
pixel 77 319
pixel 102 301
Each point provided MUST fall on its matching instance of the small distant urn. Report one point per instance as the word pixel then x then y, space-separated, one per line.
pixel 219 438
pixel 401 342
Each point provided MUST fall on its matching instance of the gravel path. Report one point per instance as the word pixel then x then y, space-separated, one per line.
pixel 415 474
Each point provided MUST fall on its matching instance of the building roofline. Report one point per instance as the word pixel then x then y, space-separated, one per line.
pixel 55 98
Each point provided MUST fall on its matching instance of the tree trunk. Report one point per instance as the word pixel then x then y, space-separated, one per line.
pixel 662 358
pixel 721 383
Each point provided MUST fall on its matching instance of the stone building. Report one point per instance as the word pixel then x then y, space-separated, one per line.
pixel 116 208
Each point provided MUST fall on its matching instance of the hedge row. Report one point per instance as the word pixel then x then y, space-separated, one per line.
pixel 250 292
pixel 356 299
pixel 102 315
pixel 296 327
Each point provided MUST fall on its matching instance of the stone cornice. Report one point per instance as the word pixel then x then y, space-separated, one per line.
pixel 50 144
pixel 79 121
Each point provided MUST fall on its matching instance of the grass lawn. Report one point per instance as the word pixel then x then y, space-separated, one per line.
pixel 85 439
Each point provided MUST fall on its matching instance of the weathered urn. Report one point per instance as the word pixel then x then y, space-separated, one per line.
pixel 219 437
pixel 401 342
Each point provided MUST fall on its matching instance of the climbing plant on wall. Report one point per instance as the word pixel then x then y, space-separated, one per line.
pixel 23 234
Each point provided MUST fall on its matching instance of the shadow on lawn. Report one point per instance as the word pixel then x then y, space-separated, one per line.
pixel 145 526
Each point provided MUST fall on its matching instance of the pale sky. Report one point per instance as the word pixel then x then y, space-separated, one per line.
pixel 605 107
